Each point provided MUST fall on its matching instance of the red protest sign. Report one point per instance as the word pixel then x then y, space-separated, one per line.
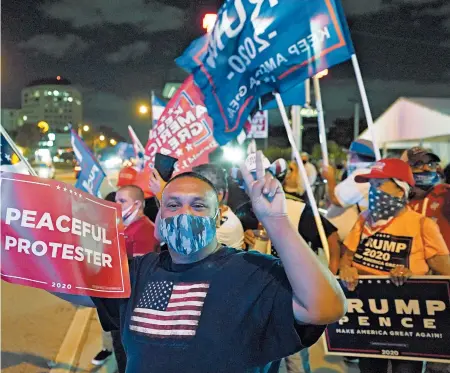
pixel 58 238
pixel 184 130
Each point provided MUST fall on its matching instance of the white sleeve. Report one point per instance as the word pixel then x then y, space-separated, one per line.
pixel 349 192
pixel 231 233
pixel 311 172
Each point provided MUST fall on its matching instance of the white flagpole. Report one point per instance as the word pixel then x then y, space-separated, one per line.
pixel 366 106
pixel 309 192
pixel 135 138
pixel 321 121
pixel 17 151
pixel 307 93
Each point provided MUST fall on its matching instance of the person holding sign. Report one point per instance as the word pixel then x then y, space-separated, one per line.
pixel 193 304
pixel 391 239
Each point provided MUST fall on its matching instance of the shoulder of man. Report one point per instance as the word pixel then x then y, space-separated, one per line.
pixel 441 190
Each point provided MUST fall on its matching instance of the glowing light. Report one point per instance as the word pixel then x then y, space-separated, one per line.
pixel 144 109
pixel 102 138
pixel 70 99
pixel 58 77
pixel 85 128
pixel 113 142
pixel 208 21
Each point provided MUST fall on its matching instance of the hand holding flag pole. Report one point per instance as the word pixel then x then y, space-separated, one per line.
pixel 301 167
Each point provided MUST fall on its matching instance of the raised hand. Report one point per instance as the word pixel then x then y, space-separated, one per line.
pixel 265 192
pixel 157 184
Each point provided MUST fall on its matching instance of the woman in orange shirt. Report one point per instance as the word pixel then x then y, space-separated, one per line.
pixel 391 239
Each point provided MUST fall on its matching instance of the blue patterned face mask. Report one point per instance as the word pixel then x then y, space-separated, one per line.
pixel 382 205
pixel 426 179
pixel 187 234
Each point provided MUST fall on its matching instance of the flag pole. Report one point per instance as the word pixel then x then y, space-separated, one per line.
pixel 366 106
pixel 14 147
pixel 309 192
pixel 321 121
pixel 152 100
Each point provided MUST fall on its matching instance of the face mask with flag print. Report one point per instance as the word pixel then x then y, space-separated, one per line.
pixel 128 216
pixel 383 206
pixel 187 234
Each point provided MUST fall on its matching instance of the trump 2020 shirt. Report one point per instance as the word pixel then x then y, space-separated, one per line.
pixel 230 312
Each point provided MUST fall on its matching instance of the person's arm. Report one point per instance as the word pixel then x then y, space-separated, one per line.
pixel 328 173
pixel 347 273
pixel 436 251
pixel 317 296
pixel 335 252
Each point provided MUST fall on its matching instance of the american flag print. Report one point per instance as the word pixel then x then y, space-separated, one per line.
pixel 169 310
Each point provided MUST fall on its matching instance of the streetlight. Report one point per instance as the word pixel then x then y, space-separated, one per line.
pixel 113 142
pixel 209 19
pixel 85 128
pixel 144 109
pixel 102 138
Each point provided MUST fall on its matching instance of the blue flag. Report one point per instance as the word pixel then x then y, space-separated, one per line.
pixel 91 174
pixel 295 96
pixel 158 107
pixel 261 47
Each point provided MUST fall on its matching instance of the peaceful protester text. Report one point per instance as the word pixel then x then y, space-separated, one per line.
pixel 409 322
pixel 57 238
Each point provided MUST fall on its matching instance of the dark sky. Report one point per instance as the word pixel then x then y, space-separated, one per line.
pixel 117 51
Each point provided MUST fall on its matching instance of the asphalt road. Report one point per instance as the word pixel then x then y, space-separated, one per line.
pixel 34 322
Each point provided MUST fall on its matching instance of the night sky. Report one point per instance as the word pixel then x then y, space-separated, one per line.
pixel 117 51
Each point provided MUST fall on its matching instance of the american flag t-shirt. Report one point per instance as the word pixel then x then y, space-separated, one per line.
pixel 169 310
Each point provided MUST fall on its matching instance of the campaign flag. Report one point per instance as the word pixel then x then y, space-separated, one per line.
pixel 258 126
pixel 384 321
pixel 169 309
pixel 58 238
pixel 261 47
pixel 10 161
pixel 91 174
pixel 295 96
pixel 184 130
pixel 158 107
pixel 139 150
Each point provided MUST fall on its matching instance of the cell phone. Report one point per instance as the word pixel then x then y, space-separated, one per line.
pixel 165 165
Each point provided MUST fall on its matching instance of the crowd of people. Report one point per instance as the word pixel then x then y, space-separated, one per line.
pixel 203 230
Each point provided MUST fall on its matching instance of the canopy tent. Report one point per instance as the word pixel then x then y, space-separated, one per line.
pixel 412 121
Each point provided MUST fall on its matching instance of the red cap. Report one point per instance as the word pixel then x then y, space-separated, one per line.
pixel 127 176
pixel 389 168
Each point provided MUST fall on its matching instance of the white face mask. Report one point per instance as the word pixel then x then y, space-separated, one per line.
pixel 353 166
pixel 127 216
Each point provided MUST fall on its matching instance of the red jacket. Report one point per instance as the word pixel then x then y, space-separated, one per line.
pixel 436 205
pixel 140 237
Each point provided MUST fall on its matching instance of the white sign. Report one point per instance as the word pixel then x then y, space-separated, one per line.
pixel 259 128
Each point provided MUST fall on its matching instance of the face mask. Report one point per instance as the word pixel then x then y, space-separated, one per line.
pixel 128 216
pixel 427 179
pixel 187 234
pixel 382 205
pixel 351 167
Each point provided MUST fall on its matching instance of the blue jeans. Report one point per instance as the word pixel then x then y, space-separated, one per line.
pixel 299 362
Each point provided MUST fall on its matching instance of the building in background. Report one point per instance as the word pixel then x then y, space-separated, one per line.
pixel 10 119
pixel 54 101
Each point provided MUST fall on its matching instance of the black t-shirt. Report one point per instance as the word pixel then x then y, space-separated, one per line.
pixel 230 312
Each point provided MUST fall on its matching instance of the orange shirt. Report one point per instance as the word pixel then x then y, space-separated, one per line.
pixel 410 239
pixel 436 205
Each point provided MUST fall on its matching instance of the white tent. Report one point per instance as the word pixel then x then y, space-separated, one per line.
pixel 412 121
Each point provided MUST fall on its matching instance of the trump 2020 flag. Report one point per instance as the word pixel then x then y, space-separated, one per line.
pixel 184 130
pixel 158 107
pixel 257 47
pixel 139 150
pixel 91 174
pixel 10 161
